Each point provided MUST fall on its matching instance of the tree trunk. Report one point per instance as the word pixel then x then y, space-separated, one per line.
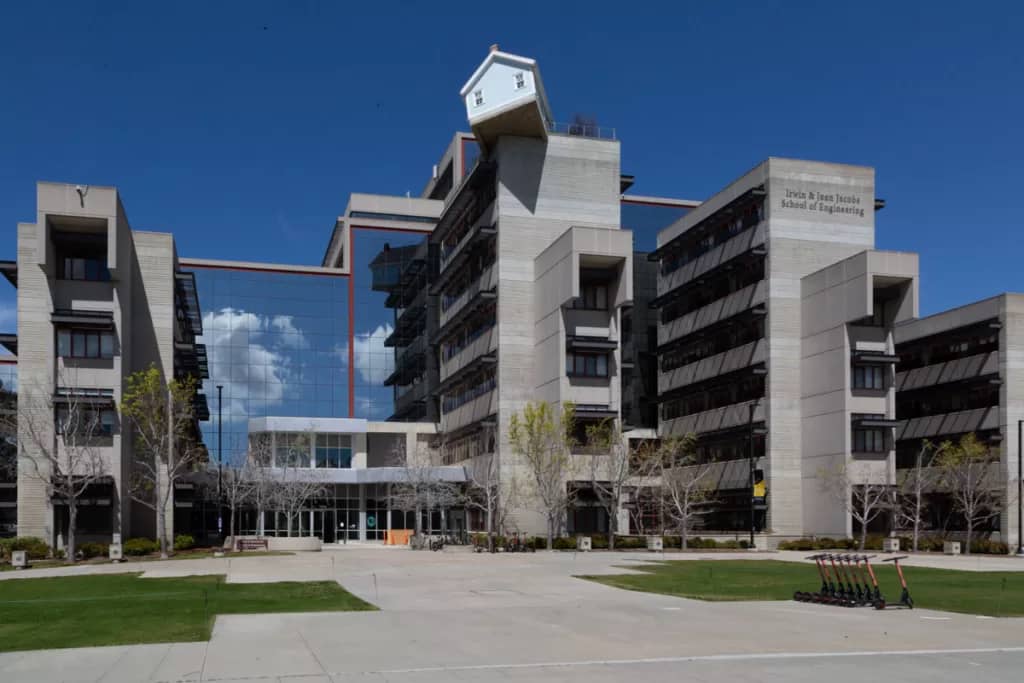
pixel 863 535
pixel 161 529
pixel 551 533
pixel 683 541
pixel 490 526
pixel 71 546
pixel 917 526
pixel 234 521
pixel 613 523
pixel 970 533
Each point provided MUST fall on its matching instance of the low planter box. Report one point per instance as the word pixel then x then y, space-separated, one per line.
pixel 583 543
pixel 891 545
pixel 295 544
pixel 951 547
pixel 115 552
pixel 655 543
pixel 19 559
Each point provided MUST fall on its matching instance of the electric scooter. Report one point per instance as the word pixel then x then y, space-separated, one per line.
pixel 905 598
pixel 862 589
pixel 875 593
pixel 844 595
pixel 807 596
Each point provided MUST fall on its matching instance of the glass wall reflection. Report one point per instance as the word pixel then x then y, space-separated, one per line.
pixel 278 343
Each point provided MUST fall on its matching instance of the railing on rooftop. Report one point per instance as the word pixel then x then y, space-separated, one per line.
pixel 583 130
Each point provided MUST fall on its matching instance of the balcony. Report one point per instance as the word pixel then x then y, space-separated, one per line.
pixel 482 228
pixel 483 345
pixel 412 401
pixel 732 360
pixel 483 287
pixel 960 422
pixel 714 420
pixel 471 411
pixel 716 311
pixel 957 370
pixel 708 261
pixel 410 363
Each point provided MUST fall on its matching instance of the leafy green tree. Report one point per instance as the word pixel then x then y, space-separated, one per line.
pixel 542 437
pixel 971 475
pixel 167 442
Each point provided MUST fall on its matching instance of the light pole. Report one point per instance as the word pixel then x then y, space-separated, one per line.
pixel 1020 487
pixel 750 490
pixel 220 461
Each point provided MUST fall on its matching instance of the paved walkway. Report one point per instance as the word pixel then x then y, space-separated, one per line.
pixel 462 616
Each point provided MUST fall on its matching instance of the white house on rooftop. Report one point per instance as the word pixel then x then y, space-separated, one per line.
pixel 505 96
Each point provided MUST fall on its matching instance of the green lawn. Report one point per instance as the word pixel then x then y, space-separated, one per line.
pixel 119 609
pixel 989 593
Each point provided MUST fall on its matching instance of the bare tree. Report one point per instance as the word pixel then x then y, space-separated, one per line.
pixel 542 436
pixel 60 447
pixel 239 485
pixel 484 492
pixel 864 498
pixel 297 484
pixel 686 484
pixel 167 443
pixel 421 489
pixel 610 472
pixel 911 487
pixel 258 461
pixel 970 475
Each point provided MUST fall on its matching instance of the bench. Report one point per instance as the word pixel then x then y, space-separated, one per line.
pixel 252 544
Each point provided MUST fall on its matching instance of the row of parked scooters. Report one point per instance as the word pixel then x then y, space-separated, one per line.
pixel 849 581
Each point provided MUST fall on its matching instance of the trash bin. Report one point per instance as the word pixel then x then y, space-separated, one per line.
pixel 583 543
pixel 951 547
pixel 891 545
pixel 655 543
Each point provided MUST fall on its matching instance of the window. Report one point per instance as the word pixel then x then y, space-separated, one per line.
pixel 586 364
pixel 80 268
pixel 334 451
pixel 291 450
pixel 85 344
pixel 85 421
pixel 478 97
pixel 869 441
pixel 520 80
pixel 868 377
pixel 592 297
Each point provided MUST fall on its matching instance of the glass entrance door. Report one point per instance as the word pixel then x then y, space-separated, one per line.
pixel 324 525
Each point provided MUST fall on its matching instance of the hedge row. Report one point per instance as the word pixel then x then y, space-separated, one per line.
pixel 36 547
pixel 600 542
pixel 981 546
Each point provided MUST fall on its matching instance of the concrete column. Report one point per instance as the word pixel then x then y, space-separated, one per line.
pixel 362 512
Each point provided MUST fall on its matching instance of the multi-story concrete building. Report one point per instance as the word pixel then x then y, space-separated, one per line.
pixel 771 300
pixel 96 302
pixel 764 321
pixel 962 371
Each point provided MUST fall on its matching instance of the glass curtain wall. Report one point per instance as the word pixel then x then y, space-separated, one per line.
pixel 278 343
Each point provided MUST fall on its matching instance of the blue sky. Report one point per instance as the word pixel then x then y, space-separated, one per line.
pixel 242 127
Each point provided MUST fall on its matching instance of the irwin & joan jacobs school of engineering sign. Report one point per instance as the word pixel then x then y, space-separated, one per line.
pixel 831 203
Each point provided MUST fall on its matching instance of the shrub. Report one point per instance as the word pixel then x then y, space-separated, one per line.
pixel 36 548
pixel 89 550
pixel 564 543
pixel 600 542
pixel 630 542
pixel 183 542
pixel 986 546
pixel 799 544
pixel 731 544
pixel 744 544
pixel 137 547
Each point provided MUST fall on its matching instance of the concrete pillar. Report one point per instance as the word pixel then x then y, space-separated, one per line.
pixel 362 512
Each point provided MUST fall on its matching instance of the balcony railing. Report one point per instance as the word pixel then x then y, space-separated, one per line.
pixel 470 411
pixel 485 343
pixel 482 222
pixel 960 422
pixel 583 130
pixel 718 310
pixel 450 306
pixel 713 366
pixel 956 370
pixel 716 419
pixel 728 250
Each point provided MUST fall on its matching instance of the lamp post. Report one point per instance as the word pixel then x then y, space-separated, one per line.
pixel 220 461
pixel 750 490
pixel 1020 487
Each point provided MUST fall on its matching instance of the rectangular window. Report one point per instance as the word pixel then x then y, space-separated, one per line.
pixel 81 268
pixel 478 98
pixel 520 80
pixel 869 441
pixel 592 297
pixel 85 344
pixel 85 421
pixel 586 364
pixel 868 377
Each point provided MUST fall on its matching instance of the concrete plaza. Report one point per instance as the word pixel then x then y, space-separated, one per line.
pixel 462 616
